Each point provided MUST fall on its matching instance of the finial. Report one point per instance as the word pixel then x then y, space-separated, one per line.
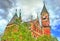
pixel 44 2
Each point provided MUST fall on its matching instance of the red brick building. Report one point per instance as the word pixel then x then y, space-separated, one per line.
pixel 44 29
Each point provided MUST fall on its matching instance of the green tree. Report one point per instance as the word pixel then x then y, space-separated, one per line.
pixel 46 38
pixel 20 32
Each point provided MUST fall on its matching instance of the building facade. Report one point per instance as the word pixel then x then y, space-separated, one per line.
pixel 43 29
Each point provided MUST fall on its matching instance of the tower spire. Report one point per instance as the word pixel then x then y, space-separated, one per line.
pixel 44 2
pixel 20 15
pixel 37 15
pixel 44 8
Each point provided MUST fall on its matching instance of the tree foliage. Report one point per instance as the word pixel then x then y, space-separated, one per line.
pixel 46 38
pixel 20 32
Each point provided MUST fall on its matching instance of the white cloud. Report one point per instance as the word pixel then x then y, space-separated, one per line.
pixel 3 24
pixel 0 17
pixel 11 14
pixel 29 6
pixel 58 38
pixel 2 11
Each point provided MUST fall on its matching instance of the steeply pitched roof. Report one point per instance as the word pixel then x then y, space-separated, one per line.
pixel 44 9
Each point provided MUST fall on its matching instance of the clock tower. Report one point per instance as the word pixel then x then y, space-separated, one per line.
pixel 45 21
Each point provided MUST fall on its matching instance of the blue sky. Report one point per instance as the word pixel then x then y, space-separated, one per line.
pixel 54 11
pixel 30 7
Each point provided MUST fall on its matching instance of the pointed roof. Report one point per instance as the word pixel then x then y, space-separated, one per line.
pixel 20 14
pixel 14 17
pixel 44 9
